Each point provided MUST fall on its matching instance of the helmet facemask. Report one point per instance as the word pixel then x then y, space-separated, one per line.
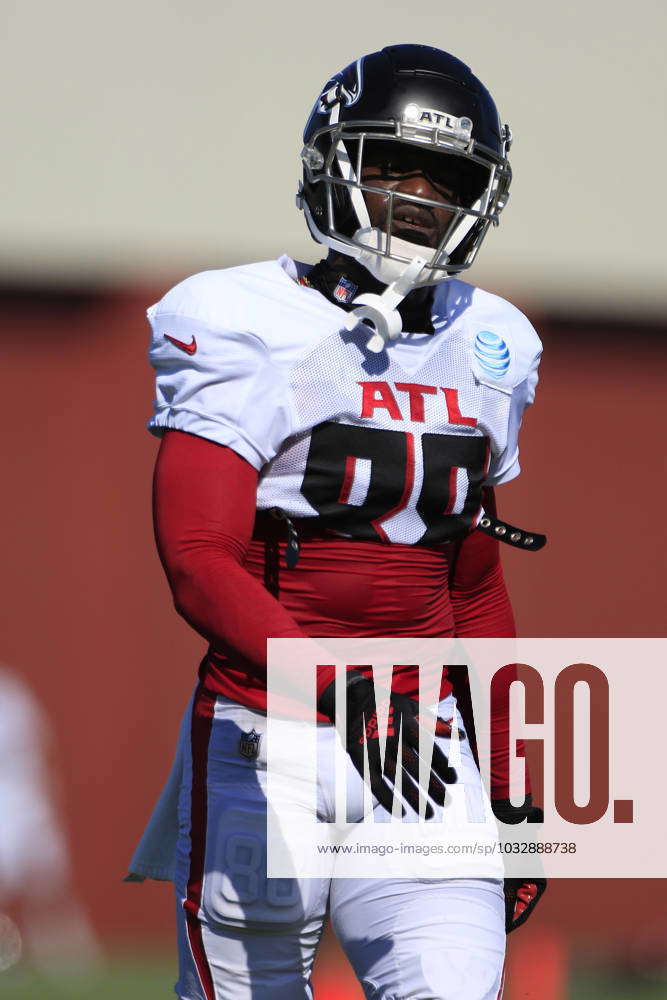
pixel 335 161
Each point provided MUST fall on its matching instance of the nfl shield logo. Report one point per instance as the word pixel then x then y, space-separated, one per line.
pixel 344 290
pixel 249 744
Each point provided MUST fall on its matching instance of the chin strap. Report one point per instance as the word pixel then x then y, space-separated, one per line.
pixel 379 312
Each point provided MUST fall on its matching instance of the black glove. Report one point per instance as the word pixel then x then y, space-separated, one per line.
pixel 507 813
pixel 402 727
pixel 521 898
pixel 521 894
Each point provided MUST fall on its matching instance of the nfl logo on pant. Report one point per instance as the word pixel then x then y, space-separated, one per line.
pixel 249 744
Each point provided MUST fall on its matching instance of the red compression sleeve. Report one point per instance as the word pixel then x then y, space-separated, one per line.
pixel 204 498
pixel 478 593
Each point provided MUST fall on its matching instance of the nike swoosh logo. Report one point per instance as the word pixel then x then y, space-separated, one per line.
pixel 190 348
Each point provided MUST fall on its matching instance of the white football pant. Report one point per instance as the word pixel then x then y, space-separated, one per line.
pixel 245 937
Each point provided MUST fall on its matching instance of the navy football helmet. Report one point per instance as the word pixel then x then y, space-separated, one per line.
pixel 430 102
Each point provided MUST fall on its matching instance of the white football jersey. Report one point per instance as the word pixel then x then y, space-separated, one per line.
pixel 393 446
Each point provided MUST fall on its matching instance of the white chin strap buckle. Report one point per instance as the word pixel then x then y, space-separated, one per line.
pixel 378 312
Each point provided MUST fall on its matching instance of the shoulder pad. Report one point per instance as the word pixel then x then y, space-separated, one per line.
pixel 505 346
pixel 215 375
pixel 218 299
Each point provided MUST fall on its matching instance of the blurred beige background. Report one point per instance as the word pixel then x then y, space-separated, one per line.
pixel 148 138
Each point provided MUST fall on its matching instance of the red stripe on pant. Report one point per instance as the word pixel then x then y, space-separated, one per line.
pixel 200 734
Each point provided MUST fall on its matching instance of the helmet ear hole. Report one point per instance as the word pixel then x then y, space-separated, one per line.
pixel 315 194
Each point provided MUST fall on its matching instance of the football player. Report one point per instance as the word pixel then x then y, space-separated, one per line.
pixel 331 439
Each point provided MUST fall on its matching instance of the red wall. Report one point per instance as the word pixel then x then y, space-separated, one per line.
pixel 89 621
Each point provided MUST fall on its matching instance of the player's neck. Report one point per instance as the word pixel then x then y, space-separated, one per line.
pixel 341 278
